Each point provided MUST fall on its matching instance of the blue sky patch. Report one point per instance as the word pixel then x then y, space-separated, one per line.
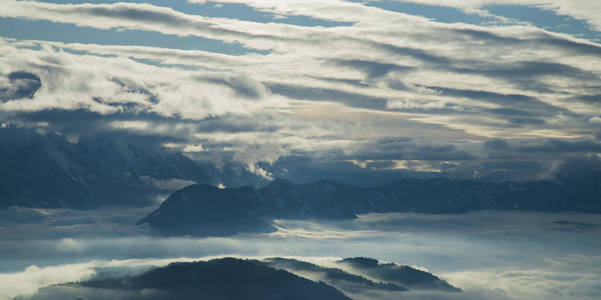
pixel 438 13
pixel 545 19
pixel 69 33
pixel 223 10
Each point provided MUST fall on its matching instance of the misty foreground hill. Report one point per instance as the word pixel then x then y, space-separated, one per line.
pixel 230 278
pixel 205 210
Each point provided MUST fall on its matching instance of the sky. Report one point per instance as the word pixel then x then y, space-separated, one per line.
pixel 506 89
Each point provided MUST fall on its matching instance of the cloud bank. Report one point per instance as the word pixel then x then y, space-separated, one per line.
pixel 331 94
pixel 489 255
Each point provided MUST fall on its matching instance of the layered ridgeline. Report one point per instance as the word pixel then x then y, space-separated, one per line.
pixel 231 278
pixel 351 275
pixel 50 170
pixel 206 210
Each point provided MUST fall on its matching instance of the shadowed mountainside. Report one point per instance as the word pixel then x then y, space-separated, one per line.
pixel 49 170
pixel 232 278
pixel 220 279
pixel 233 211
pixel 338 278
pixel 193 209
pixel 401 275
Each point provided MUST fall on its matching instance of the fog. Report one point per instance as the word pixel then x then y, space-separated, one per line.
pixel 490 255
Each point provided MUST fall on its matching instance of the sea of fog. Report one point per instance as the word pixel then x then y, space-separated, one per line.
pixel 488 254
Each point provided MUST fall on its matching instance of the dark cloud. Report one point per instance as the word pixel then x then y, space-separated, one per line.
pixel 82 122
pixel 243 87
pixel 419 54
pixel 542 39
pixel 402 148
pixel 21 84
pixel 131 87
pixel 510 99
pixel 557 146
pixel 239 123
pixel 527 69
pixel 539 157
pixel 527 75
pixel 372 69
pixel 307 168
pixel 527 121
pixel 496 144
pixel 511 104
pixel 510 112
pixel 578 166
pixel 596 99
pixel 328 94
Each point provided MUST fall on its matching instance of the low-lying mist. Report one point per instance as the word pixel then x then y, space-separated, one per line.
pixel 489 255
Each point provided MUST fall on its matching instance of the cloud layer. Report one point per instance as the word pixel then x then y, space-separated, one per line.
pixel 336 94
pixel 490 255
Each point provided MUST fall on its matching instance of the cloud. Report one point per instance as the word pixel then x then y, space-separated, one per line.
pixel 319 91
pixel 580 9
pixel 34 277
pixel 496 255
pixel 595 120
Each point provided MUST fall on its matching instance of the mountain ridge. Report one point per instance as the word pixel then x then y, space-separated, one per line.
pixel 329 200
pixel 235 278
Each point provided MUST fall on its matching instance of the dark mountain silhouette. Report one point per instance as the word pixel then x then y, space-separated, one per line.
pixel 328 200
pixel 49 171
pixel 232 278
pixel 217 212
pixel 336 277
pixel 220 279
pixel 401 275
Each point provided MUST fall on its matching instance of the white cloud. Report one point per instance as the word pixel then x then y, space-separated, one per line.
pixel 595 120
pixel 194 148
pixel 577 9
pixel 34 277
pixel 322 77
pixel 172 184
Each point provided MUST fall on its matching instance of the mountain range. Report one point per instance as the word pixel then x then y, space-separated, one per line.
pixel 202 209
pixel 51 170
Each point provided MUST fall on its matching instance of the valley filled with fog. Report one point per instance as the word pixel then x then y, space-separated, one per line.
pixel 300 149
pixel 487 254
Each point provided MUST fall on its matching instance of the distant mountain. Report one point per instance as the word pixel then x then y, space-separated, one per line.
pixel 231 278
pixel 401 275
pixel 219 279
pixel 328 200
pixel 206 210
pixel 50 170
